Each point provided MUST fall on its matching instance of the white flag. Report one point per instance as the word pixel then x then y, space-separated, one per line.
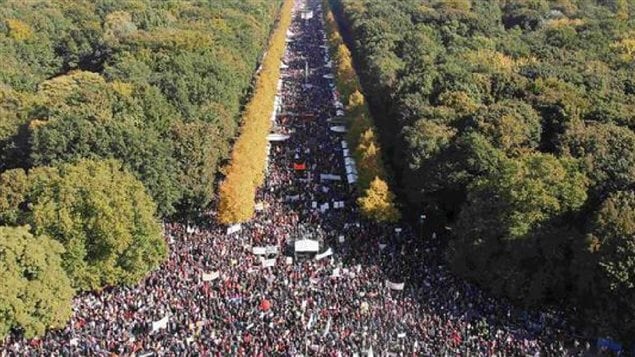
pixel 163 323
pixel 328 253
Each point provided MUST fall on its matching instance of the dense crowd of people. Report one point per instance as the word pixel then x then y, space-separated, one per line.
pixel 384 290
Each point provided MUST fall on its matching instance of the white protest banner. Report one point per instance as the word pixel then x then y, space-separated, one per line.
pixel 313 204
pixel 271 249
pixel 259 206
pixel 234 228
pixel 289 260
pixel 341 239
pixel 259 250
pixel 311 321
pixel 266 263
pixel 328 328
pixel 163 323
pixel 336 273
pixel 328 253
pixel 307 245
pixel 330 177
pixel 210 276
pixel 394 286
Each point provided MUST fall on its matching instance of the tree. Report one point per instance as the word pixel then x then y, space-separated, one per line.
pixel 426 139
pixel 35 293
pixel 101 214
pixel 143 152
pixel 608 264
pixel 511 126
pixel 378 203
pixel 246 169
pixel 198 149
pixel 607 152
pixel 508 219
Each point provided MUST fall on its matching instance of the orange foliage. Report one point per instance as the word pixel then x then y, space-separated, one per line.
pixel 377 201
pixel 246 170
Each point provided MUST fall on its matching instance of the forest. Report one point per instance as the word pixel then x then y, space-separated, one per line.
pixel 511 123
pixel 114 115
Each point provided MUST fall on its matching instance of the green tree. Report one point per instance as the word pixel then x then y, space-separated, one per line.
pixel 510 217
pixel 198 150
pixel 605 266
pixel 35 293
pixel 101 214
pixel 607 152
pixel 511 126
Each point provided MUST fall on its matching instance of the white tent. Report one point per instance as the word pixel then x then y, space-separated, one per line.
pixel 277 137
pixel 351 178
pixel 339 129
pixel 307 245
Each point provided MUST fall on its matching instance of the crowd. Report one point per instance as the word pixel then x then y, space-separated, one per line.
pixel 383 291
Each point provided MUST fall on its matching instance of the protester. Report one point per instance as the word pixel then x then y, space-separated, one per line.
pixel 382 291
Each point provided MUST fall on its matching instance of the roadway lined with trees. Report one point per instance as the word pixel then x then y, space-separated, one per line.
pixel 513 122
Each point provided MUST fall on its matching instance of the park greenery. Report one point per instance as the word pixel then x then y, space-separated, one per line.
pixel 512 122
pixel 113 116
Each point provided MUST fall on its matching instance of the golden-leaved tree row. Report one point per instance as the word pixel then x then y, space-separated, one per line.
pixel 246 170
pixel 377 201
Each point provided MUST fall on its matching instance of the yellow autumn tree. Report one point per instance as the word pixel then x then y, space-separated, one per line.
pixel 19 30
pixel 356 103
pixel 622 10
pixel 368 159
pixel 245 172
pixel 378 202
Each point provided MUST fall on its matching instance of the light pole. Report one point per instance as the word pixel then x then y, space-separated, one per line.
pixel 422 219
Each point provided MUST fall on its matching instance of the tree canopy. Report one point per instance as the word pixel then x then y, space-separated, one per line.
pixel 102 216
pixel 35 292
pixel 134 81
pixel 511 121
